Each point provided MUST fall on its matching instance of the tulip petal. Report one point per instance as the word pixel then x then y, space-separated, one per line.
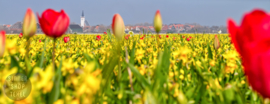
pixel 29 24
pixel 264 67
pixel 2 43
pixel 118 26
pixel 61 24
pixel 157 21
pixel 54 24
pixel 44 25
pixel 50 15
pixel 252 25
pixel 232 28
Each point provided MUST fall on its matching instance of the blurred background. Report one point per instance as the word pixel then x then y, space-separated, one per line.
pixel 179 16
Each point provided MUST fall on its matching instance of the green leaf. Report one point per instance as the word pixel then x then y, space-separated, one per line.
pixel 14 62
pixel 229 95
pixel 132 55
pixel 210 55
pixel 108 69
pixel 109 34
pixel 190 91
pixel 88 58
pixel 55 92
pixel 138 75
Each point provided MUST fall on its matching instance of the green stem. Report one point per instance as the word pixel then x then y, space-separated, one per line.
pixel 119 63
pixel 27 59
pixel 53 54
pixel 157 41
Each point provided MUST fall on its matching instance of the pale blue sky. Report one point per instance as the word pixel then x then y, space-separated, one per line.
pixel 204 12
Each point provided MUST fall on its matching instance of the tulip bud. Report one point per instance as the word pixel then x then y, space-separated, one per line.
pixel 118 26
pixel 20 35
pixel 126 37
pixel 66 39
pixel 2 43
pixel 141 38
pixel 188 39
pixel 98 37
pixel 216 42
pixel 157 22
pixel 29 24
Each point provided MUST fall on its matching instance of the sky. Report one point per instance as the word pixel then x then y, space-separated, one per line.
pixel 204 12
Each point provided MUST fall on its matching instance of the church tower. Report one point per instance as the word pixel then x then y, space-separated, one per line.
pixel 82 20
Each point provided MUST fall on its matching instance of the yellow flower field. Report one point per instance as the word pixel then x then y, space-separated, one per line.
pixel 136 70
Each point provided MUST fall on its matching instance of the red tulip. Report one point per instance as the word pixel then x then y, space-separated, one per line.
pixel 2 42
pixel 178 34
pixel 20 35
pixel 183 36
pixel 188 39
pixel 29 26
pixel 54 24
pixel 126 37
pixel 160 36
pixel 252 40
pixel 66 39
pixel 105 33
pixel 98 37
pixel 141 38
pixel 167 36
pixel 39 40
pixel 118 26
pixel 157 21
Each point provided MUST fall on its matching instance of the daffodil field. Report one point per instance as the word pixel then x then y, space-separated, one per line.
pixel 140 69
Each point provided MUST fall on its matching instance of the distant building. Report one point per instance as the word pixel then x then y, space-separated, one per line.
pixel 84 24
pixel 137 28
pixel 75 28
pixel 82 20
pixel 96 28
pixel 165 27
pixel 151 28
pixel 16 28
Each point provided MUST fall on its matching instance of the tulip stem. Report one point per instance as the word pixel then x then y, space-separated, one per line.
pixel 53 54
pixel 27 59
pixel 157 41
pixel 119 63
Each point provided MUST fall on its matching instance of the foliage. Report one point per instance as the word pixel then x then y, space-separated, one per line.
pixel 96 71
